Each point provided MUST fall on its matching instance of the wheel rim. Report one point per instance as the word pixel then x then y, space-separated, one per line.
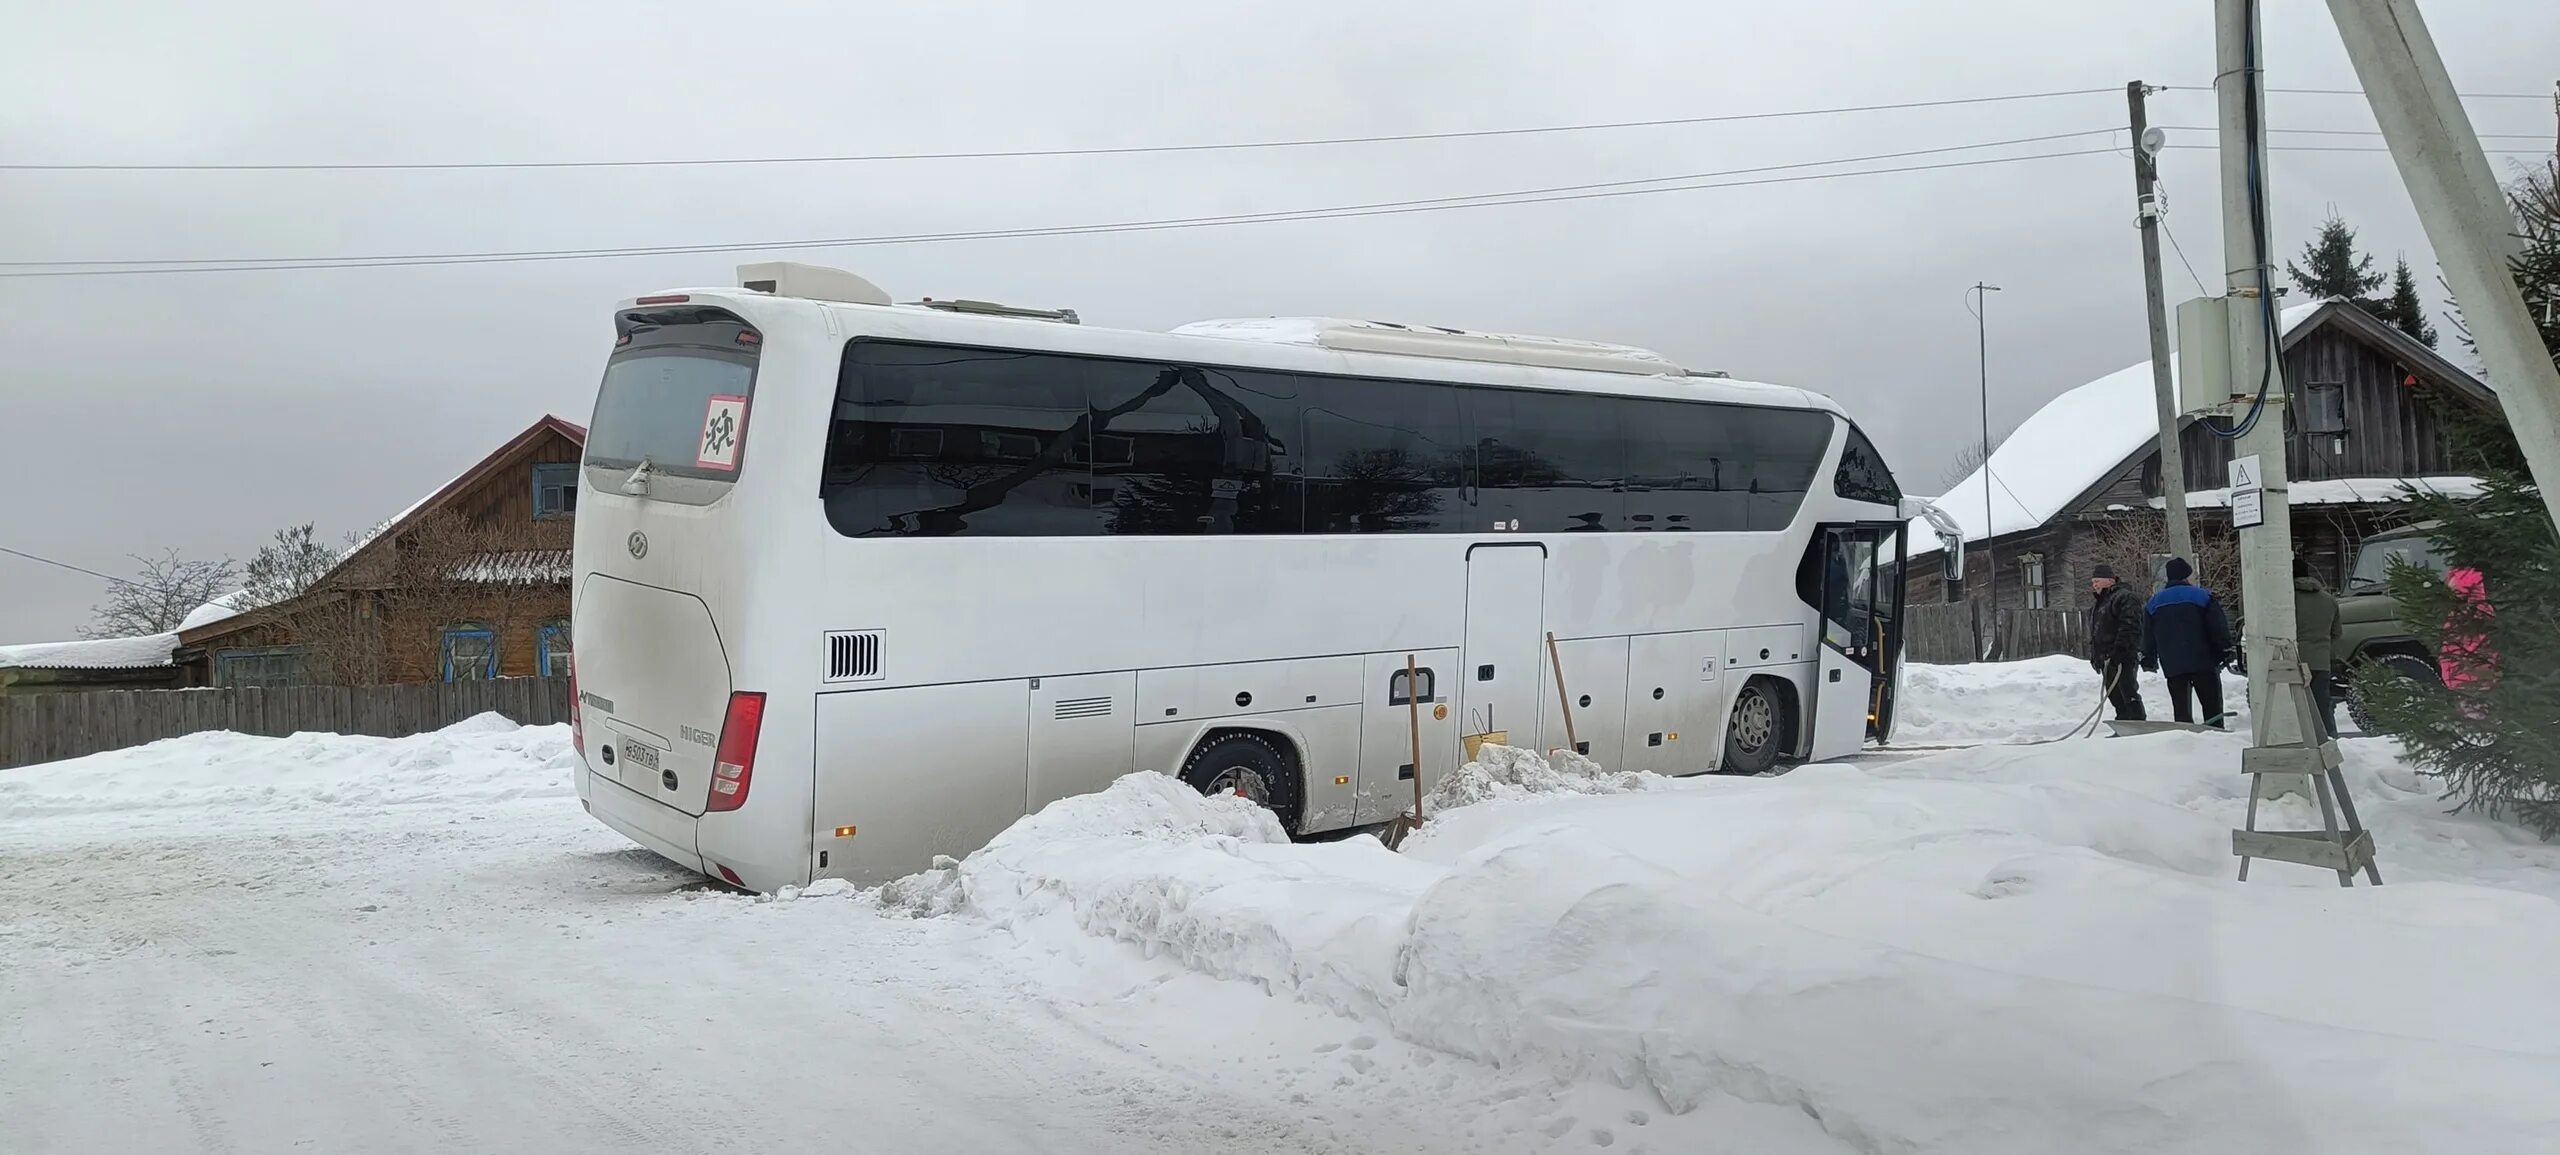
pixel 1754 722
pixel 1245 781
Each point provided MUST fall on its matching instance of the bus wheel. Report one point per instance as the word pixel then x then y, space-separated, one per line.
pixel 1247 763
pixel 1755 732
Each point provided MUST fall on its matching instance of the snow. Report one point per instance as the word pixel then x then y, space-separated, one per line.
pixel 358 944
pixel 2018 949
pixel 2346 491
pixel 481 759
pixel 515 567
pixel 2070 444
pixel 1309 331
pixel 93 654
pixel 361 944
pixel 2023 701
pixel 227 606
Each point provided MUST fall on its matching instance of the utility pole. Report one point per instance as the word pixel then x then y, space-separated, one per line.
pixel 2164 390
pixel 2466 215
pixel 1986 629
pixel 2257 384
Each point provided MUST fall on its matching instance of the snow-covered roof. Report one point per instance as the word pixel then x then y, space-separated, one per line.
pixel 228 605
pixel 93 654
pixel 2066 447
pixel 519 567
pixel 2346 491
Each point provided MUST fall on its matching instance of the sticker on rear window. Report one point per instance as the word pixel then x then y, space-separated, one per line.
pixel 724 425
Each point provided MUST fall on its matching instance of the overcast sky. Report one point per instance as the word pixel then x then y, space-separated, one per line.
pixel 204 411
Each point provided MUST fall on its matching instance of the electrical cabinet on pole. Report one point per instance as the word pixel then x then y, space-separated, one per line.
pixel 2466 216
pixel 2146 200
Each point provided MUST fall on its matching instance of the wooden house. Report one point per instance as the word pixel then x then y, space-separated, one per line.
pixel 2365 423
pixel 472 581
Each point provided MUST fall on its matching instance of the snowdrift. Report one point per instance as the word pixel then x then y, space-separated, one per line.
pixel 2027 949
pixel 481 759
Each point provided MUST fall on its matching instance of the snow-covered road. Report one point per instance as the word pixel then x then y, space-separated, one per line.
pixel 223 943
pixel 225 966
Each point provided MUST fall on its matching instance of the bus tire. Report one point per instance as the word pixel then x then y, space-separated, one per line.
pixel 1757 731
pixel 1253 764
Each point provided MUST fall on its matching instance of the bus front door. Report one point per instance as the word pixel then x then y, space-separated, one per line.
pixel 1854 573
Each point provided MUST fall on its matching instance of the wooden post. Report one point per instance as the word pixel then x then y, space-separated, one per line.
pixel 1413 723
pixel 1571 742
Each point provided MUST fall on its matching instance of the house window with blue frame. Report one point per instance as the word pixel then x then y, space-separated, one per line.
pixel 470 653
pixel 551 650
pixel 263 667
pixel 555 489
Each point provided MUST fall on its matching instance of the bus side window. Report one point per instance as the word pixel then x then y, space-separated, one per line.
pixel 1400 692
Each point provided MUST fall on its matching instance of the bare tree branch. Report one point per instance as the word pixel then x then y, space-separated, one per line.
pixel 168 588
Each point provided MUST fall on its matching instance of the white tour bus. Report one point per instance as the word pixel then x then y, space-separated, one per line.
pixel 860 583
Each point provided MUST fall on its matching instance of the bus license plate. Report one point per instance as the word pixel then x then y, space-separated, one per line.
pixel 640 754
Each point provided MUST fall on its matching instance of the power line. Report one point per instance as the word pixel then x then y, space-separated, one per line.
pixel 2369 148
pixel 2359 92
pixel 2182 256
pixel 998 154
pixel 69 566
pixel 2363 132
pixel 1591 191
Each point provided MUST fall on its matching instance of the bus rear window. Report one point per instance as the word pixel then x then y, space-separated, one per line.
pixel 677 397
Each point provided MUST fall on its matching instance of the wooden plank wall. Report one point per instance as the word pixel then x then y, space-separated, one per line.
pixel 48 727
pixel 1940 633
pixel 1943 635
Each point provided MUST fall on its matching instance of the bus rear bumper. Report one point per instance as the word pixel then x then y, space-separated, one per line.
pixel 667 831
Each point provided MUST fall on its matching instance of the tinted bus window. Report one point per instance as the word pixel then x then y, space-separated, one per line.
pixel 934 440
pixel 1862 475
pixel 675 379
pixel 1382 456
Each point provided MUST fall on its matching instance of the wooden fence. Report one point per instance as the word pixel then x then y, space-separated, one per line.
pixel 45 727
pixel 1952 635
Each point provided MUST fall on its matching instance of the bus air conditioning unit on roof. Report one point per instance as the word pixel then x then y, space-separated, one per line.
pixel 809 283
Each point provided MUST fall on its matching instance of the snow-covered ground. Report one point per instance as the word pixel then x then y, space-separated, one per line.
pixel 355 944
pixel 2026 701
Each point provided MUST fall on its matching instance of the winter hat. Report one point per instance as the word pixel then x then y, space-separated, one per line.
pixel 2301 567
pixel 2105 571
pixel 2179 570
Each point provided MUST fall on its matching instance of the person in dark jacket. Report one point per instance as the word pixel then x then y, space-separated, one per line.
pixel 2315 631
pixel 2115 642
pixel 2186 636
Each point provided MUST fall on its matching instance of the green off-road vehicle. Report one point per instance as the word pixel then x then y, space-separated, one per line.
pixel 2370 631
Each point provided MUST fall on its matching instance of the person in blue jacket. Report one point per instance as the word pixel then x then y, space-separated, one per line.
pixel 2187 638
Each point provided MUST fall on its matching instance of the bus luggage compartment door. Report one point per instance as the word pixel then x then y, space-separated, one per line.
pixel 906 774
pixel 1505 652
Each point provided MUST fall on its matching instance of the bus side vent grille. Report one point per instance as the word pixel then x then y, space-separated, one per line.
pixel 1084 707
pixel 853 655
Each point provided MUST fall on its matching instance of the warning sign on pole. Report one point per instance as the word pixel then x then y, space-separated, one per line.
pixel 2248 497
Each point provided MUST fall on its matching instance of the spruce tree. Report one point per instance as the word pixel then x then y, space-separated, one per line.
pixel 2402 308
pixel 2494 739
pixel 2331 266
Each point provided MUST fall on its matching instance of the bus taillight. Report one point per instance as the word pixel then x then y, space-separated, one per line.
pixel 577 711
pixel 733 765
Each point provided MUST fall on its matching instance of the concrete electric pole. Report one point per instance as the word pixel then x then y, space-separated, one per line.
pixel 2466 215
pixel 2146 199
pixel 2257 386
